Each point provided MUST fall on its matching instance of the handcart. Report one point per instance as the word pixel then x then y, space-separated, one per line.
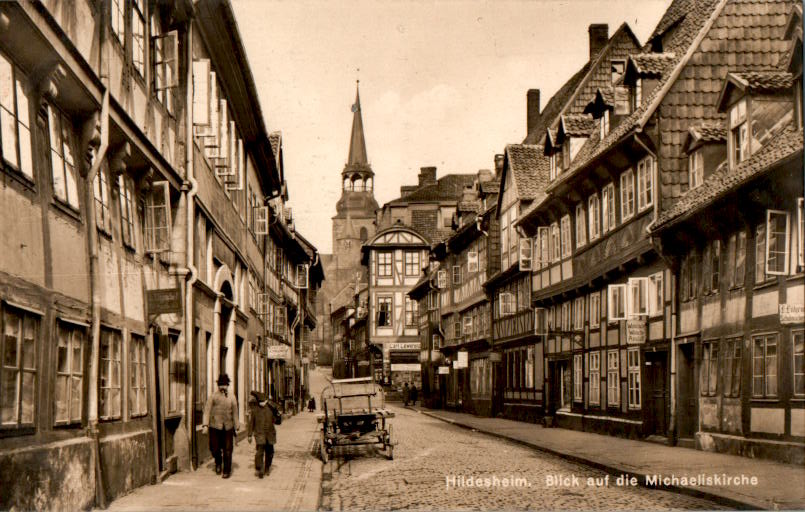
pixel 354 413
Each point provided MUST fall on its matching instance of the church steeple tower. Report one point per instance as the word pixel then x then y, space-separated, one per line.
pixel 357 143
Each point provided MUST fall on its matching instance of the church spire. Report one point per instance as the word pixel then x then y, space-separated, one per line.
pixel 357 144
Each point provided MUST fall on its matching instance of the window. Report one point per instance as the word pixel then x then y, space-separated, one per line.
pixel 18 370
pixel 739 138
pixel 118 22
pixel 627 195
pixel 633 367
pixel 567 246
pixel 595 310
pixel 738 276
pixel 472 262
pixel 111 398
pixel 708 381
pixel 158 218
pixel 617 67
pixel 504 241
pixel 613 379
pixel 165 63
pixel 595 378
pixel 715 265
pixel 467 331
pixel 138 379
pixel 655 294
pixel 456 275
pixel 384 311
pixel 594 216
pixel 645 183
pixel 62 163
pixel 578 313
pixel 616 302
pixel 695 169
pixel 801 234
pixel 15 128
pixel 566 156
pixel 506 303
pixel 760 253
pixel 581 226
pixel 608 214
pixel 384 264
pixel 776 242
pixel 604 124
pixel 798 338
pixel 764 366
pixel 138 36
pixel 638 297
pixel 411 312
pixel 566 316
pixel 126 186
pixel 556 245
pixel 412 263
pixel 174 378
pixel 553 160
pixel 732 367
pixel 525 255
pixel 544 253
pixel 687 281
pixel 578 382
pixel 637 94
pixel 69 374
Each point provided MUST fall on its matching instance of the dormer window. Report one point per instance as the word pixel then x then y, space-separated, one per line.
pixel 604 124
pixel 637 94
pixel 554 165
pixel 566 154
pixel 738 133
pixel 695 169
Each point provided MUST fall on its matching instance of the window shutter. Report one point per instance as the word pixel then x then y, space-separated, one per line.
pixel 472 261
pixel 158 218
pixel 262 303
pixel 222 155
pixel 615 302
pixel 212 133
pixel 170 56
pixel 201 92
pixel 301 276
pixel 525 254
pixel 456 274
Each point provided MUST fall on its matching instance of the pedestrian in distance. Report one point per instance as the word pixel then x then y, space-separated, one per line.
pixel 263 415
pixel 406 394
pixel 414 394
pixel 221 418
pixel 311 404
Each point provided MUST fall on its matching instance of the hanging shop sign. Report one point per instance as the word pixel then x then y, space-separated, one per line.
pixel 166 300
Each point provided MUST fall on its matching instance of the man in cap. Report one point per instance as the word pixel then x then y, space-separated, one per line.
pixel 221 416
pixel 263 415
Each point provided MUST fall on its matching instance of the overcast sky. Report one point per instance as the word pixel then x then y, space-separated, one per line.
pixel 442 82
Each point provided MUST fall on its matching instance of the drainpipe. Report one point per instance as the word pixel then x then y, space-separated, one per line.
pixel 192 273
pixel 293 348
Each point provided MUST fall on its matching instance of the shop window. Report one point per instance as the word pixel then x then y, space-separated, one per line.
pixel 111 398
pixel 138 377
pixel 62 163
pixel 595 378
pixel 764 366
pixel 18 375
pixel 633 367
pixel 69 386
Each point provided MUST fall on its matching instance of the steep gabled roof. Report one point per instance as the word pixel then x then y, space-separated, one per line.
pixel 754 82
pixel 703 133
pixel 575 125
pixel 787 146
pixel 446 188
pixel 529 169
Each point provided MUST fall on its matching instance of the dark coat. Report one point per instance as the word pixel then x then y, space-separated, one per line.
pixel 262 416
pixel 406 393
pixel 414 393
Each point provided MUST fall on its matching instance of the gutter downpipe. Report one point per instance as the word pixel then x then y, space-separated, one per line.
pixel 293 349
pixel 192 273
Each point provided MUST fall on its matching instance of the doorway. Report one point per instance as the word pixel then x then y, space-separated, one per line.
pixel 687 404
pixel 656 379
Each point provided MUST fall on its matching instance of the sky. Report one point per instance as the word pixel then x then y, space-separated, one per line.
pixel 442 83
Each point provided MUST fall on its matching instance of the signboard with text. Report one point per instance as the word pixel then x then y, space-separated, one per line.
pixel 635 331
pixel 166 300
pixel 279 352
pixel 463 359
pixel 792 314
pixel 403 346
pixel 406 367
pixel 444 370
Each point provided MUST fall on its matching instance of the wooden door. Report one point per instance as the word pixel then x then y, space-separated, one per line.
pixel 656 379
pixel 687 404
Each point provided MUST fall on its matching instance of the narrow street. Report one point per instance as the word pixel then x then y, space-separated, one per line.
pixel 431 452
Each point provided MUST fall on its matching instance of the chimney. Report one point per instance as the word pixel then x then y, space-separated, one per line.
pixel 427 176
pixel 532 109
pixel 468 193
pixel 484 175
pixel 407 189
pixel 599 35
pixel 498 165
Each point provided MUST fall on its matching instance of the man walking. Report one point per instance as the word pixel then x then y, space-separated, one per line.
pixel 263 415
pixel 221 416
pixel 406 394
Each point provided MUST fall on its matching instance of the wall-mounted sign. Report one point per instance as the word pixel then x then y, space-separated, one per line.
pixel 403 346
pixel 166 300
pixel 279 352
pixel 792 314
pixel 635 332
pixel 463 359
pixel 444 370
pixel 495 357
pixel 406 367
pixel 305 360
pixel 455 365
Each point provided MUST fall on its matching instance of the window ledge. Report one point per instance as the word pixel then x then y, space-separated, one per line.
pixel 17 175
pixel 104 233
pixel 766 284
pixel 66 209
pixel 765 400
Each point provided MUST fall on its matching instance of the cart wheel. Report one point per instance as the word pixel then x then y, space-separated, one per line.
pixel 323 448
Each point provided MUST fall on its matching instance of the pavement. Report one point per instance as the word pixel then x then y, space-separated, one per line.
pixel 293 483
pixel 777 485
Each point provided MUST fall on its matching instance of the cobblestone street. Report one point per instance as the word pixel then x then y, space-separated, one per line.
pixel 430 453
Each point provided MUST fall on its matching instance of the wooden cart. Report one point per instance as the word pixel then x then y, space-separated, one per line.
pixel 354 414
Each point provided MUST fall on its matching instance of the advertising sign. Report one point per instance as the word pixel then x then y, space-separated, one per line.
pixel 792 314
pixel 167 300
pixel 279 352
pixel 406 367
pixel 635 331
pixel 463 359
pixel 403 346
pixel 444 370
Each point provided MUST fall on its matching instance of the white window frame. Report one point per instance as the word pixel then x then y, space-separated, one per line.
pixel 738 129
pixel 543 252
pixel 472 262
pixel 613 379
pixel 801 234
pixel 554 167
pixel 638 298
pixel 608 220
pixel 633 381
pixel 594 217
pixel 645 183
pixel 412 264
pixel 581 226
pixel 138 49
pixel 656 299
pixel 384 264
pixel 526 255
pixel 138 376
pixel 578 381
pixel 595 310
pixel 302 276
pixel 798 367
pixel 505 304
pixel 466 326
pixel 566 319
pixel 565 237
pixel 604 124
pixel 621 291
pixel 578 313
pixel 456 275
pixel 71 337
pixel 594 379
pixel 261 220
pixel 786 238
pixel 556 243
pixel 385 299
pixel 158 218
pixel 63 168
pixel 627 195
pixel 441 279
pixel 695 169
